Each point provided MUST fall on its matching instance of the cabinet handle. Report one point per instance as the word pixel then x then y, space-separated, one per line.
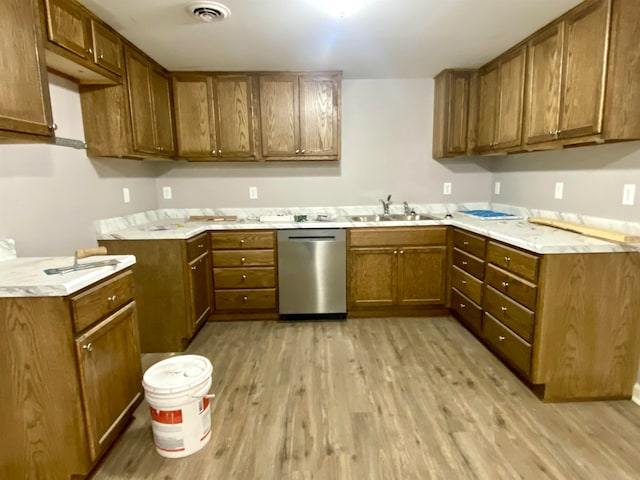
pixel 401 252
pixel 462 305
pixel 502 338
pixel 465 243
pixel 242 242
pixel 464 262
pixel 242 260
pixel 200 245
pixel 507 259
pixel 213 152
pixel 463 282
pixel 395 252
pixel 302 151
pixel 557 132
pixel 297 151
pixel 194 267
pixel 245 298
pixel 53 126
pixel 112 298
pixel 504 309
pixel 219 152
pixel 505 284
pixel 88 347
pixel 244 277
pixel 90 51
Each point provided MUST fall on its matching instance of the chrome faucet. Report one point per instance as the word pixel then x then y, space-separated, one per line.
pixel 407 209
pixel 385 206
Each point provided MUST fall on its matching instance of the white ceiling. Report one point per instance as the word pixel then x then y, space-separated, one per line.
pixel 388 39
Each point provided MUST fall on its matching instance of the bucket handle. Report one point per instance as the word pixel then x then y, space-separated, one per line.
pixel 209 395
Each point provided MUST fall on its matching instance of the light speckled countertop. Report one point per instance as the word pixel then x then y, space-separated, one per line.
pixel 175 224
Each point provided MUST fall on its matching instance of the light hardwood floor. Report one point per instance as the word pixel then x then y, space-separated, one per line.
pixel 411 398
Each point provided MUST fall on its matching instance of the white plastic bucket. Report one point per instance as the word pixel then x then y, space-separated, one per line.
pixel 177 392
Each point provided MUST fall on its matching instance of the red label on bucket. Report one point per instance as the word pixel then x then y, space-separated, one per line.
pixel 204 403
pixel 169 417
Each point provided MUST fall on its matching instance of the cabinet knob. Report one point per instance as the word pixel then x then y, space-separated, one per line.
pixel 244 277
pixel 297 151
pixel 194 267
pixel 219 152
pixel 201 245
pixel 90 51
pixel 88 347
pixel 213 152
pixel 395 252
pixel 112 298
pixel 557 132
pixel 507 259
pixel 53 126
pixel 465 243
pixel 245 298
pixel 242 260
pixel 463 282
pixel 401 252
pixel 100 56
pixel 501 338
pixel 462 305
pixel 504 309
pixel 505 284
pixel 242 241
pixel 464 262
pixel 302 151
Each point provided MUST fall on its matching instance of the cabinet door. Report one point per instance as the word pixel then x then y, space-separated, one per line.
pixel 279 115
pixel 372 277
pixel 319 135
pixel 545 73
pixel 24 92
pixel 139 81
pixel 110 373
pixel 201 289
pixel 511 91
pixel 162 113
pixel 586 40
pixel 487 107
pixel 421 275
pixel 107 48
pixel 234 116
pixel 67 26
pixel 195 129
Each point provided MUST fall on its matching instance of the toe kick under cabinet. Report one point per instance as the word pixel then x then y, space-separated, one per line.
pixel 71 378
pixel 569 324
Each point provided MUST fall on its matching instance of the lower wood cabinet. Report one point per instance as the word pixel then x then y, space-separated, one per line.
pixel 71 378
pixel 569 324
pixel 403 268
pixel 173 289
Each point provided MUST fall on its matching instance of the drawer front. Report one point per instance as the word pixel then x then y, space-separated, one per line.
pixel 244 277
pixel 264 299
pixel 510 346
pixel 469 313
pixel 248 258
pixel 242 240
pixel 91 305
pixel 512 314
pixel 467 284
pixel 518 289
pixel 474 244
pixel 400 236
pixel 468 263
pixel 197 246
pixel 516 261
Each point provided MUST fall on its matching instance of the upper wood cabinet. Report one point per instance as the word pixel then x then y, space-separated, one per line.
pixel 214 116
pixel 501 102
pixel 451 124
pixel 300 116
pixel 25 107
pixel 80 45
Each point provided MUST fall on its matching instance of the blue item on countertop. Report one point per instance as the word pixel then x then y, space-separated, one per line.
pixel 490 215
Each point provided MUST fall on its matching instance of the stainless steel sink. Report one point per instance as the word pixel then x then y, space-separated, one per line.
pixel 392 218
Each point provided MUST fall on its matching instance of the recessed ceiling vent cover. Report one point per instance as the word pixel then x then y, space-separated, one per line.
pixel 209 11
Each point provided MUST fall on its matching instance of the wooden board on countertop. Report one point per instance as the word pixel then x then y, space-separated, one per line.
pixel 213 218
pixel 609 235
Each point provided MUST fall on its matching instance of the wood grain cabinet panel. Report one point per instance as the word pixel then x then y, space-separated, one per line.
pixel 162 113
pixel 488 103
pixel 516 261
pixel 373 277
pixel 510 313
pixel 234 116
pixel 467 284
pixel 68 26
pixel 469 312
pixel 25 107
pixel 451 124
pixel 469 242
pixel 510 346
pixel 468 263
pixel 300 116
pixel 107 48
pixel 519 289
pixel 194 116
pixel 421 275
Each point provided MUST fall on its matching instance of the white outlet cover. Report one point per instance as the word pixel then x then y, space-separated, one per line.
pixel 166 193
pixel 446 188
pixel 126 195
pixel 253 193
pixel 629 194
pixel 496 188
pixel 559 191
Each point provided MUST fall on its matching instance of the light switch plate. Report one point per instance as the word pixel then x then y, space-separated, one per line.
pixel 166 193
pixel 496 188
pixel 559 191
pixel 629 194
pixel 126 195
pixel 446 188
pixel 253 193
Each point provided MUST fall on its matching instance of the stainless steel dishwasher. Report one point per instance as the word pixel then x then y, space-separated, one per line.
pixel 312 277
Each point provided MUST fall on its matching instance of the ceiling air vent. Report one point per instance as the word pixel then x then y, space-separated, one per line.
pixel 209 11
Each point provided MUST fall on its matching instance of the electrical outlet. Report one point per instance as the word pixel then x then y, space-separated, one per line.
pixel 253 193
pixel 559 191
pixel 629 194
pixel 125 194
pixel 446 188
pixel 166 193
pixel 496 188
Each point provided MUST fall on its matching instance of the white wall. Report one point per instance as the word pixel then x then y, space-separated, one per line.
pixel 386 149
pixel 51 195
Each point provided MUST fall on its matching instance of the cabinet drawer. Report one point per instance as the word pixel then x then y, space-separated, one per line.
pixel 516 261
pixel 512 314
pixel 468 263
pixel 245 299
pixel 474 244
pixel 91 305
pixel 514 287
pixel 469 313
pixel 467 284
pixel 197 246
pixel 244 277
pixel 248 258
pixel 515 351
pixel 389 236
pixel 242 240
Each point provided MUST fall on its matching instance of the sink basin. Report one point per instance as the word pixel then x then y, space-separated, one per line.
pixel 392 218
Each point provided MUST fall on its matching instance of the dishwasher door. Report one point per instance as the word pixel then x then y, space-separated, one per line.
pixel 312 273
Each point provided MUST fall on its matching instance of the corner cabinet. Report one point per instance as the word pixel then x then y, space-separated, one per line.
pixel 569 324
pixel 71 378
pixel 300 116
pixel 453 123
pixel 25 107
pixel 215 118
pixel 403 269
pixel 173 289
